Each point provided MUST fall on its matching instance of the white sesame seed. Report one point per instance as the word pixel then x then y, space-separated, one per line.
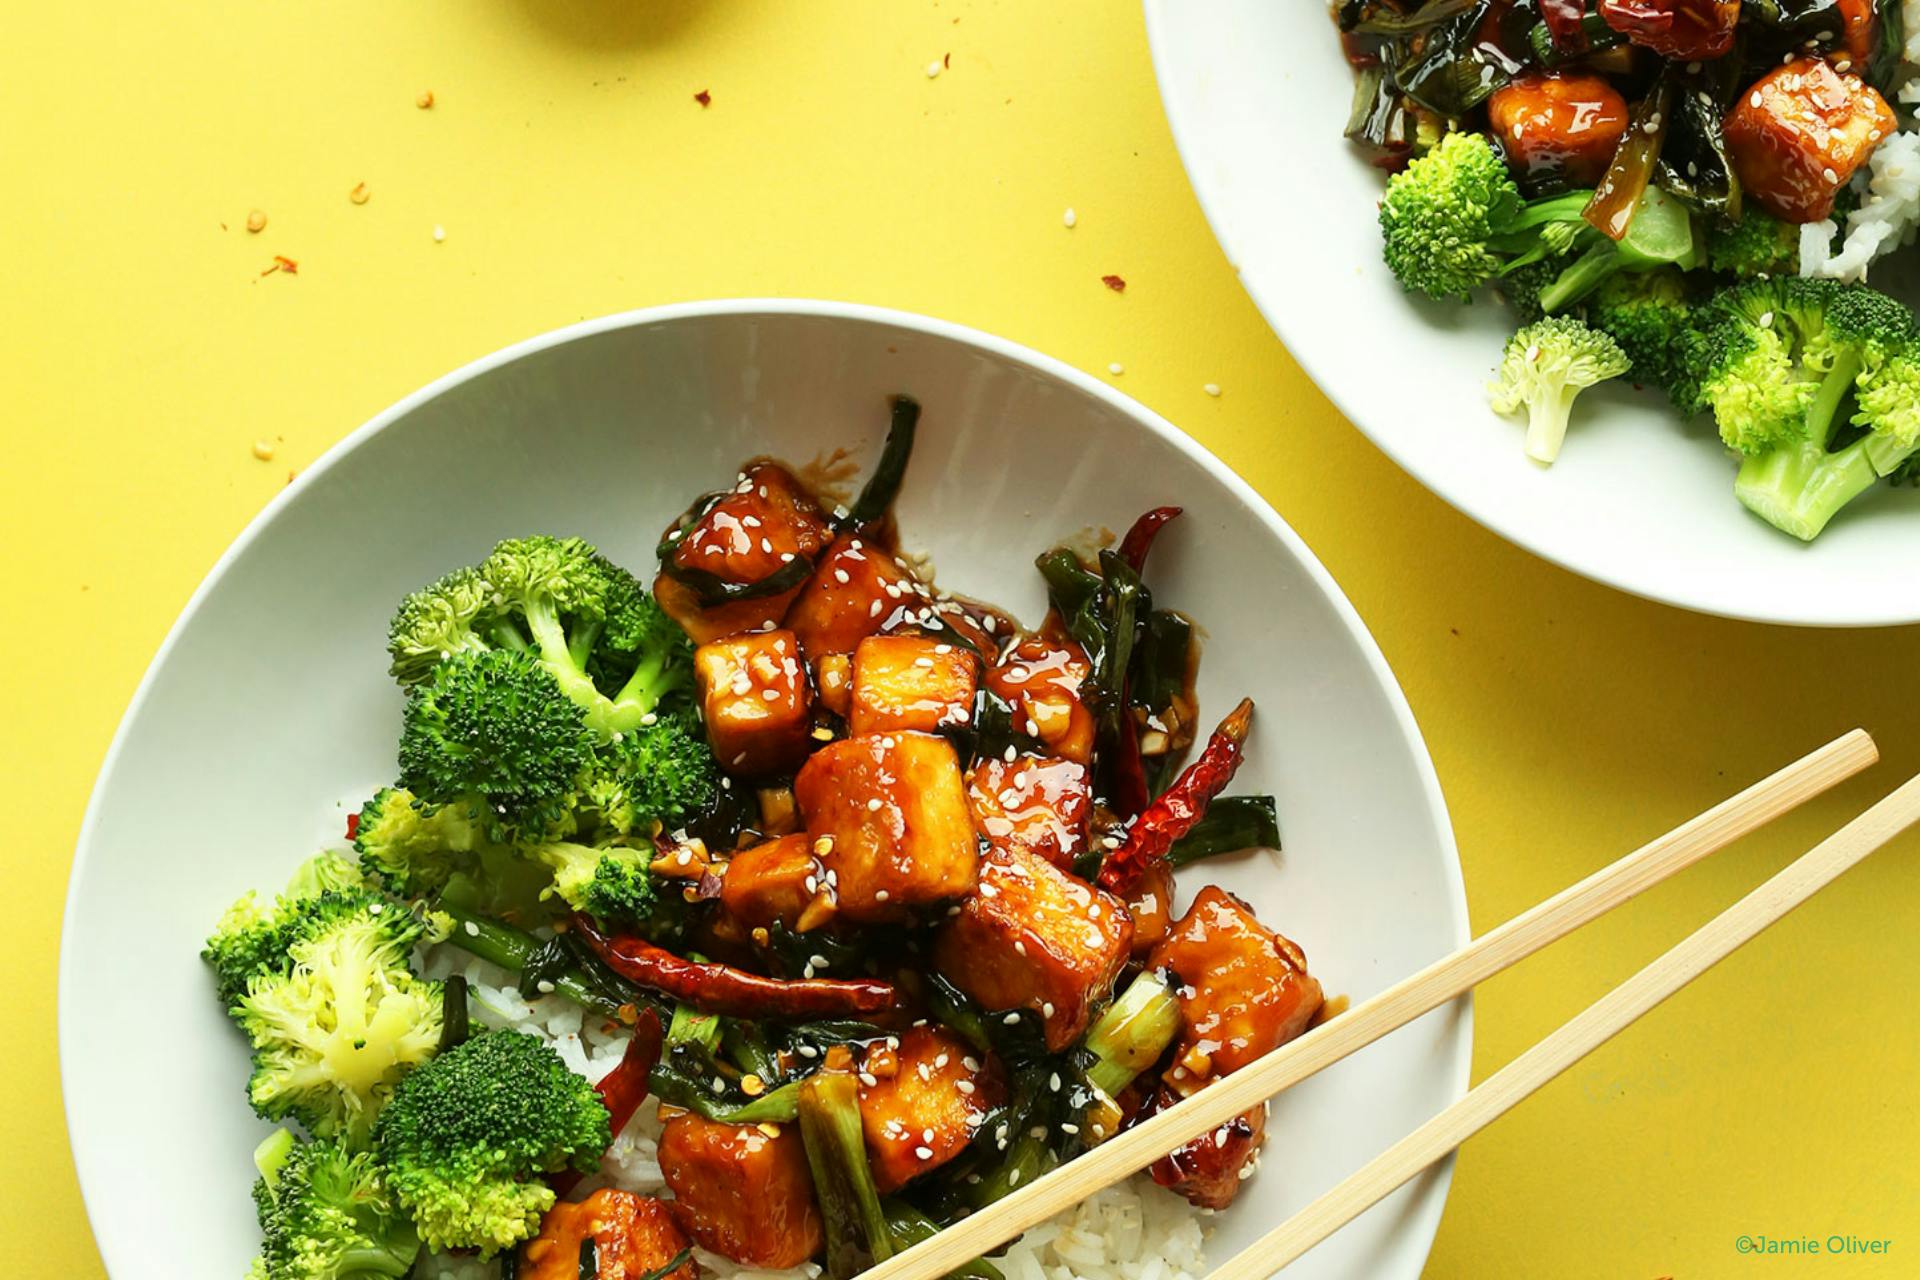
pixel 651 718
pixel 873 805
pixel 808 1051
pixel 818 962
pixel 1053 1083
pixel 1046 1008
pixel 867 1078
pixel 1011 1019
pixel 933 68
pixel 473 930
pixel 1013 1178
pixel 766 546
pixel 726 784
pixel 1009 755
pixel 813 885
pixel 1020 946
pixel 841 576
pixel 719 1083
pixel 439 233
pixel 873 610
pixel 988 891
pixel 1069 1128
pixel 1068 218
pixel 1212 388
pixel 880 895
pixel 544 987
pixel 1033 730
pixel 925 1153
pixel 964 1086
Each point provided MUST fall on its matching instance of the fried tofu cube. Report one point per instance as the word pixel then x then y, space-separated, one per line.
pixel 742 1190
pixel 1036 803
pixel 888 817
pixel 633 1236
pixel 1243 989
pixel 771 883
pixel 756 702
pixel 1041 678
pixel 911 682
pixel 834 676
pixel 1799 132
pixel 1034 937
pixel 927 1098
pixel 754 530
pixel 1208 1170
pixel 855 588
pixel 1559 123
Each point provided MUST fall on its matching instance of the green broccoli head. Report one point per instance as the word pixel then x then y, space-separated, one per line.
pixel 1757 245
pixel 661 773
pixel 1440 214
pixel 465 1139
pixel 494 727
pixel 326 1214
pixel 612 884
pixel 453 615
pixel 1522 285
pixel 251 940
pixel 1545 365
pixel 593 626
pixel 347 1020
pixel 1776 360
pixel 412 847
pixel 1647 313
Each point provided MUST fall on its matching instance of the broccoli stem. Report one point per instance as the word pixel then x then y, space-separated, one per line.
pixel 1547 418
pixel 1797 488
pixel 857 1231
pixel 1133 1032
pixel 271 1155
pixel 1588 272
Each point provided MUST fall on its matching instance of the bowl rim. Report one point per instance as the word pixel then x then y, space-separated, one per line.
pixel 1302 343
pixel 1424 1223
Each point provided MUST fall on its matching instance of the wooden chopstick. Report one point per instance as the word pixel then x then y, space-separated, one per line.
pixel 1584 1033
pixel 1140 1146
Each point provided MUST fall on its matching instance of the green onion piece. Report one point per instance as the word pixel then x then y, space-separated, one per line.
pixel 1133 1032
pixel 1232 823
pixel 909 1226
pixel 857 1232
pixel 690 1026
pixel 589 1259
pixel 453 1013
pixel 883 486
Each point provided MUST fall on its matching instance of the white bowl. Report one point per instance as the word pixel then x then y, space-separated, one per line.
pixel 1256 93
pixel 267 714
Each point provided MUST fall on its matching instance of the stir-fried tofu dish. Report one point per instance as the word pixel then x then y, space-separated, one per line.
pixel 1687 194
pixel 772 911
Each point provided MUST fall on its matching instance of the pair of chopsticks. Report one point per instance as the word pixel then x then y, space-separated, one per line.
pixel 1506 945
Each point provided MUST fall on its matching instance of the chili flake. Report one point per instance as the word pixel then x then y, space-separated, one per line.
pixel 1115 283
pixel 704 98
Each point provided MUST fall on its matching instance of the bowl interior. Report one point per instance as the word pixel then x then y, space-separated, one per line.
pixel 268 716
pixel 1257 96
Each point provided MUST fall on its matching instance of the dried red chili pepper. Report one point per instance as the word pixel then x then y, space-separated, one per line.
pixel 353 819
pixel 1183 804
pixel 1139 539
pixel 1684 30
pixel 721 988
pixel 1563 19
pixel 622 1089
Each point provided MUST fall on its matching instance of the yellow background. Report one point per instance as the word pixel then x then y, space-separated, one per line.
pixel 574 175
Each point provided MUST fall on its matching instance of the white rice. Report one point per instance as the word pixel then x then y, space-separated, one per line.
pixel 1132 1231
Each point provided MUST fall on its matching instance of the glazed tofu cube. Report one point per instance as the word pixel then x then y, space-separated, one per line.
pixel 771 883
pixel 911 682
pixel 1797 135
pixel 755 529
pixel 1244 990
pixel 754 694
pixel 1034 803
pixel 1150 903
pixel 1208 1171
pixel 1034 937
pixel 1041 679
pixel 855 588
pixel 632 1236
pixel 888 817
pixel 833 673
pixel 927 1098
pixel 742 1190
pixel 1562 124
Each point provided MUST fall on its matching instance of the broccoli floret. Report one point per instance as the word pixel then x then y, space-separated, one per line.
pixel 465 1139
pixel 1759 244
pixel 413 847
pixel 1647 313
pixel 581 615
pixel 494 727
pixel 250 939
pixel 1547 364
pixel 611 884
pixel 660 773
pixel 1776 360
pixel 334 1033
pixel 326 1214
pixel 1454 219
pixel 1521 287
